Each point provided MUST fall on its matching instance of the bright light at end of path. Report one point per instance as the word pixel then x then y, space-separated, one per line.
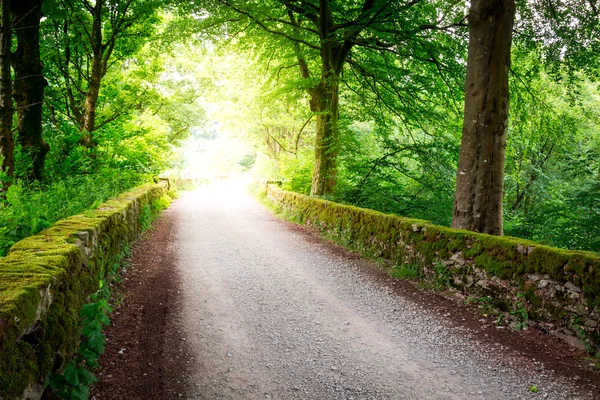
pixel 230 193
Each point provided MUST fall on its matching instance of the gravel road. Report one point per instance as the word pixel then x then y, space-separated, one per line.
pixel 271 313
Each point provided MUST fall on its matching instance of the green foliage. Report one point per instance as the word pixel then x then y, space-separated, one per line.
pixel 74 381
pixel 520 312
pixel 406 271
pixel 146 217
pixel 297 172
pixel 161 204
pixel 173 191
pixel 150 211
pixel 486 304
pixel 443 276
pixel 247 161
pixel 28 209
pixel 552 159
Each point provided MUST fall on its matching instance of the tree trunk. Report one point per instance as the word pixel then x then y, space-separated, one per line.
pixel 7 143
pixel 325 103
pixel 96 75
pixel 480 176
pixel 29 84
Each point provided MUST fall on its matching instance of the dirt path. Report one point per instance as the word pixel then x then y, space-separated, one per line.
pixel 224 301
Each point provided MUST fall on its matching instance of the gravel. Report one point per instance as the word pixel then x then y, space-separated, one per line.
pixel 270 313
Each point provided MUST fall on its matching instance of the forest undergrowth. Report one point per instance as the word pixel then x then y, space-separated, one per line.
pixel 31 207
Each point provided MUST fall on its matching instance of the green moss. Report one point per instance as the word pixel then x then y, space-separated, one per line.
pixel 18 367
pixel 52 261
pixel 377 234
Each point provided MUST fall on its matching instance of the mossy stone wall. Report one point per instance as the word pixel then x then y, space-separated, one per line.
pixel 560 288
pixel 45 280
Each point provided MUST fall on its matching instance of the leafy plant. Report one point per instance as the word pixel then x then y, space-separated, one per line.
pixel 74 382
pixel 161 204
pixel 534 389
pixel 499 319
pixel 443 276
pixel 520 312
pixel 76 377
pixel 485 304
pixel 146 217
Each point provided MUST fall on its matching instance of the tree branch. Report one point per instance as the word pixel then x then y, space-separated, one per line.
pixel 266 28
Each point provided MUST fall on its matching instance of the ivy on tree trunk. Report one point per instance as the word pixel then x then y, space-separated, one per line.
pixel 326 142
pixel 480 177
pixel 334 51
pixel 324 102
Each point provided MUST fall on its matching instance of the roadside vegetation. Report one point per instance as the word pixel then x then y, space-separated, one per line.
pixel 359 102
pixel 380 104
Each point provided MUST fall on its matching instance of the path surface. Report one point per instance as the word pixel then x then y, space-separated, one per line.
pixel 244 306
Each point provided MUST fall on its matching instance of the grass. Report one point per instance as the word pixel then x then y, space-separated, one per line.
pixel 29 209
pixel 406 271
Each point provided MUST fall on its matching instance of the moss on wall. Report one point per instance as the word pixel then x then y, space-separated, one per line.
pixel 563 286
pixel 45 280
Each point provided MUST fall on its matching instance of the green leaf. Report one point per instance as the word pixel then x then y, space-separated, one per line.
pixel 97 341
pixel 91 329
pixel 534 389
pixel 90 356
pixel 57 382
pixel 104 320
pixel 85 376
pixel 80 393
pixel 92 362
pixel 89 310
pixel 71 375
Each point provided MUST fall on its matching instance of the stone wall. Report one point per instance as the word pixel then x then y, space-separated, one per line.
pixel 46 279
pixel 558 289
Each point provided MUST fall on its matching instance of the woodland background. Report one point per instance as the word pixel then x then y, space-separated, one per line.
pixel 98 96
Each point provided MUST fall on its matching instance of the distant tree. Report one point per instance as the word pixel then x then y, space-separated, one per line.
pixel 88 38
pixel 324 35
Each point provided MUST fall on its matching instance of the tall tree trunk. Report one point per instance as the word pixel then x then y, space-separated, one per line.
pixel 325 102
pixel 96 75
pixel 480 176
pixel 29 84
pixel 7 143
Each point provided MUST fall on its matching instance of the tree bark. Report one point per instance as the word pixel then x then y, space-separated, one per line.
pixel 325 103
pixel 96 75
pixel 7 143
pixel 29 84
pixel 480 176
